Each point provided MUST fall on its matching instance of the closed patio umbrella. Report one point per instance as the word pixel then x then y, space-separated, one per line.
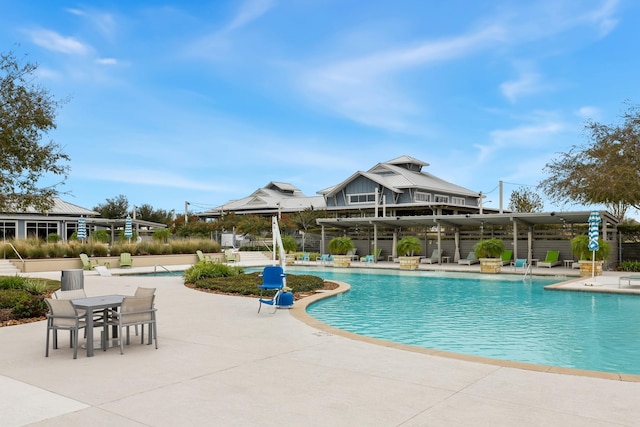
pixel 594 233
pixel 81 232
pixel 128 229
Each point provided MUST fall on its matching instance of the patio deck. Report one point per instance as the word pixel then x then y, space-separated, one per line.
pixel 219 362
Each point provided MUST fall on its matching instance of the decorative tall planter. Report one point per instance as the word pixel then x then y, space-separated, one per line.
pixel 586 268
pixel 290 259
pixel 341 260
pixel 490 265
pixel 409 262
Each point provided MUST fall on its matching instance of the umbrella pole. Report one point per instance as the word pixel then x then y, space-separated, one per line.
pixel 593 264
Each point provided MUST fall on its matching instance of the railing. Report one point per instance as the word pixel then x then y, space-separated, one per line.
pixel 155 268
pixel 16 252
pixel 527 271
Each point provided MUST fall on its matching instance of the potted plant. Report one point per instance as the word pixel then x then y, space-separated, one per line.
pixel 489 252
pixel 339 247
pixel 289 245
pixel 580 249
pixel 408 249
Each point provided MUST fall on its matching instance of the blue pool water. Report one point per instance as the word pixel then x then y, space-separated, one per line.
pixel 499 317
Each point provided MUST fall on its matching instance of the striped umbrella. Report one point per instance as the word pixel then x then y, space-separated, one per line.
pixel 594 234
pixel 81 232
pixel 128 229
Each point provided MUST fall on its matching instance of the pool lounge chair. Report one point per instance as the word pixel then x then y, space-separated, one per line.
pixel 470 259
pixel 550 260
pixel 506 257
pixel 434 259
pixel 87 264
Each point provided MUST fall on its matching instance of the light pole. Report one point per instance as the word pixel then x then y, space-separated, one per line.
pixel 186 212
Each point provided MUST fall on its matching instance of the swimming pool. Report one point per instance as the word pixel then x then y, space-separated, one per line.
pixel 499 317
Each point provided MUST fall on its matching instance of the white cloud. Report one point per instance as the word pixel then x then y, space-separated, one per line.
pixel 249 11
pixel 55 42
pixel 588 113
pixel 107 61
pixel 527 83
pixel 526 136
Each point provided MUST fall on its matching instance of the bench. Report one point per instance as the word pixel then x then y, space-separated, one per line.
pixel 629 279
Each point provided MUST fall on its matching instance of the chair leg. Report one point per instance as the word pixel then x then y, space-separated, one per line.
pixel 74 337
pixel 46 353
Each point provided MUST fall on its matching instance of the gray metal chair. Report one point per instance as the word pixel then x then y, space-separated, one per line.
pixel 143 292
pixel 136 311
pixel 63 315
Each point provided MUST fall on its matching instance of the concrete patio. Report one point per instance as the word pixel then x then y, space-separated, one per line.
pixel 219 362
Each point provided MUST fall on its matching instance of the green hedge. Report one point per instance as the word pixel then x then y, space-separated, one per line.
pixel 247 284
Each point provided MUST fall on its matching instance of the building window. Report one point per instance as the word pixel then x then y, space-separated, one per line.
pixel 41 229
pixel 362 198
pixel 7 230
pixel 439 198
pixel 458 201
pixel 422 197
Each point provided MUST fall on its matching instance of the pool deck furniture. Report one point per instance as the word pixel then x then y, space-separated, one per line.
pixel 470 259
pixel 91 305
pixel 628 279
pixel 433 259
pixel 550 260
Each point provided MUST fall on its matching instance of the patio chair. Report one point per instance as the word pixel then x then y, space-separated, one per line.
pixel 550 260
pixel 202 257
pixel 304 257
pixel 75 294
pixel 143 292
pixel 272 280
pixel 63 315
pixel 87 264
pixel 506 257
pixel 230 255
pixel 368 258
pixel 136 310
pixel 125 259
pixel 434 259
pixel 324 258
pixel 470 259
pixel 519 263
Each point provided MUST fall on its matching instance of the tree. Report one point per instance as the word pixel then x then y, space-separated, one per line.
pixel 117 207
pixel 27 113
pixel 148 213
pixel 524 200
pixel 604 171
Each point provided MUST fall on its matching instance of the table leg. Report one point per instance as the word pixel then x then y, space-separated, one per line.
pixel 89 333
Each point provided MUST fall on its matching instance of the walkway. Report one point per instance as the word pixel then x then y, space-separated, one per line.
pixel 219 362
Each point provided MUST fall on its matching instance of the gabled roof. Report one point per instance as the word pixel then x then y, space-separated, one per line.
pixel 275 196
pixel 403 173
pixel 60 207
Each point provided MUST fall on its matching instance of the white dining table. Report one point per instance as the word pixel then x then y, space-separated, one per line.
pixel 91 305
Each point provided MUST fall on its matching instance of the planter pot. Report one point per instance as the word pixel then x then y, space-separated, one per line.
pixel 290 259
pixel 490 265
pixel 409 262
pixel 342 260
pixel 586 268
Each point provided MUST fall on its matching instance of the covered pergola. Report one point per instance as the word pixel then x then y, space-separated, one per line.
pixel 525 220
pixel 114 224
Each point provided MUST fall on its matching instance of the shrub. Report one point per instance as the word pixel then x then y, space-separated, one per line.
pixel 489 248
pixel 409 246
pixel 247 284
pixel 53 238
pixel 203 270
pixel 13 282
pixel 629 266
pixel 162 235
pixel 35 287
pixel 31 306
pixel 9 298
pixel 289 244
pixel 100 236
pixel 341 245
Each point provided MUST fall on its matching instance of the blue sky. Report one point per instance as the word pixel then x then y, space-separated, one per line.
pixel 207 101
